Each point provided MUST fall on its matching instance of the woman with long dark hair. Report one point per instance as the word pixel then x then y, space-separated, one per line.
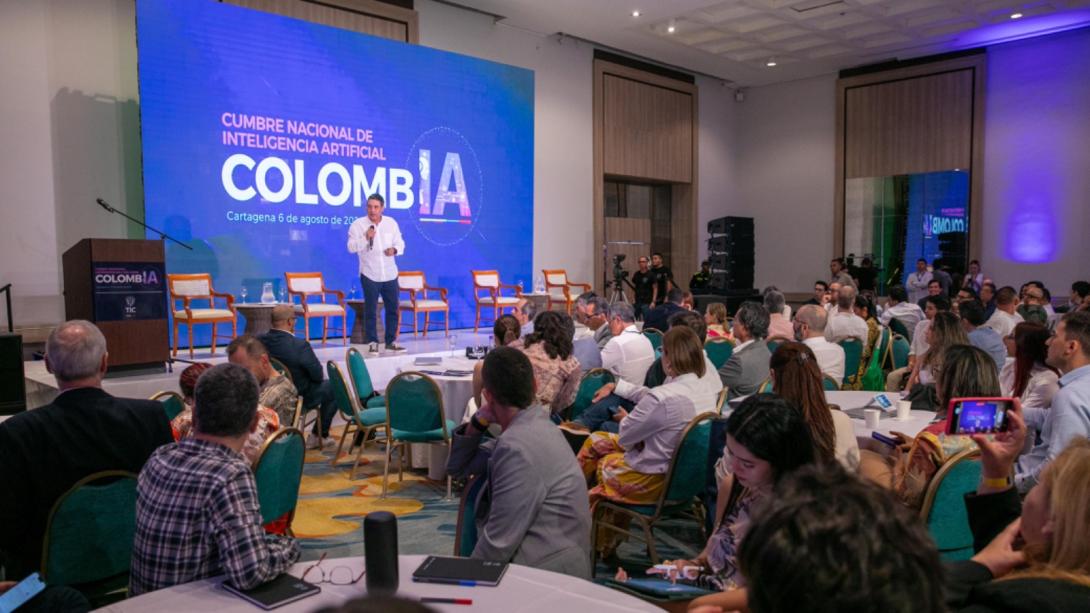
pixel 796 378
pixel 549 348
pixel 1027 377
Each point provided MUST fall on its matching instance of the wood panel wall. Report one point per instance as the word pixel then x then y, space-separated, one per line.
pixel 648 130
pixel 364 16
pixel 645 130
pixel 921 118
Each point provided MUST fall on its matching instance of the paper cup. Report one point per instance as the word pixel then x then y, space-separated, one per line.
pixel 904 409
pixel 871 417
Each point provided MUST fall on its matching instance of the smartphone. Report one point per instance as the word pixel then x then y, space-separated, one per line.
pixel 883 402
pixel 20 593
pixel 978 415
pixel 882 438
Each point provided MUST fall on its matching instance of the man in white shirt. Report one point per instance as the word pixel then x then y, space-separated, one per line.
pixel 377 240
pixel 916 282
pixel 810 329
pixel 1006 315
pixel 629 353
pixel 902 310
pixel 842 322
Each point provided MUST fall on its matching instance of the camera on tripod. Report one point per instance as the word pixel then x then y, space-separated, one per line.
pixel 620 275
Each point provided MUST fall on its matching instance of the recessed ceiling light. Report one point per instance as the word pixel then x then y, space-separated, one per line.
pixel 1016 15
pixel 636 13
pixel 671 28
pixel 771 63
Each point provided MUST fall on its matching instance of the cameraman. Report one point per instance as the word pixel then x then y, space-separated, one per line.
pixel 643 282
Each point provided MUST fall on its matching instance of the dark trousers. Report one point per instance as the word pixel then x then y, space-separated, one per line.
pixel 371 292
pixel 599 416
pixel 641 309
pixel 321 397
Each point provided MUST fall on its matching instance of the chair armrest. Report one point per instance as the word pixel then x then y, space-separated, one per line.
pixel 336 292
pixel 227 297
pixel 442 291
pixel 412 295
pixel 518 292
pixel 585 286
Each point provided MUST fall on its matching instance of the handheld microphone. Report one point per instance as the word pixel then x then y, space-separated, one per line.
pixel 371 241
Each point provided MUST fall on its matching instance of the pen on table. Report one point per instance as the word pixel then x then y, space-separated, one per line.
pixel 433 600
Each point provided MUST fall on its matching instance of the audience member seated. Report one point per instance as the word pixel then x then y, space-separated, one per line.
pixel 1032 554
pixel 307 373
pixel 934 288
pixel 899 308
pixel 944 332
pixel 715 316
pixel 864 308
pixel 785 311
pixel 828 541
pixel 597 319
pixel 693 321
pixel 556 371
pixel 505 331
pixel 45 451
pixel 1069 417
pixel 629 353
pixel 779 325
pixel 974 278
pixel 187 384
pixel 972 319
pixel 967 372
pixel 630 466
pixel 987 296
pixel 1006 315
pixel 821 290
pixel 797 379
pixel 197 512
pixel 767 440
pixel 747 367
pixel 525 312
pixel 1028 377
pixel 1080 291
pixel 810 330
pixel 843 324
pixel 534 509
pixel 659 317
pixel 935 304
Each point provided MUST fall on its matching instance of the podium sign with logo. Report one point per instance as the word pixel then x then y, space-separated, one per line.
pixel 130 290
pixel 120 285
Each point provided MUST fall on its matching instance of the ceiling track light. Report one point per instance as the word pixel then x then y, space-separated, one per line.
pixel 671 28
pixel 1016 15
pixel 636 13
pixel 771 63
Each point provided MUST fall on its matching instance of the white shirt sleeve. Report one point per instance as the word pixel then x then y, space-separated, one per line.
pixel 357 236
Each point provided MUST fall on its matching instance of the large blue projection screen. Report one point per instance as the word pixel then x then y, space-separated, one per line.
pixel 263 137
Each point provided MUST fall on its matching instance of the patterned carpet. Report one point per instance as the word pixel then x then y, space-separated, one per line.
pixel 329 518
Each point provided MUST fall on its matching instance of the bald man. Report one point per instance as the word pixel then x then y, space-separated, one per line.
pixel 810 329
pixel 306 370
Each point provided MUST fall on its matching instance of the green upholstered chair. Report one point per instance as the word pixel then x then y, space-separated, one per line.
pixel 592 380
pixel 685 480
pixel 853 353
pixel 943 508
pixel 278 472
pixel 719 351
pixel 655 336
pixel 172 403
pixel 899 349
pixel 774 343
pixel 360 420
pixel 368 396
pixel 414 414
pixel 765 387
pixel 898 327
pixel 279 367
pixel 829 384
pixel 465 534
pixel 88 536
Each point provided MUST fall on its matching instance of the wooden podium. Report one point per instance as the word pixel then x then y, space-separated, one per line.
pixel 120 285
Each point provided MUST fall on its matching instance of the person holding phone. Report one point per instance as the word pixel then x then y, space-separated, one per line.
pixel 1032 551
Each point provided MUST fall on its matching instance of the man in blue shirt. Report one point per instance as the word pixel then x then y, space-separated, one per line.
pixel 1069 417
pixel 972 317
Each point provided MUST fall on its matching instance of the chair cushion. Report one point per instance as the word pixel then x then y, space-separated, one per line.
pixel 199 314
pixel 502 300
pixel 421 437
pixel 373 415
pixel 424 304
pixel 375 401
pixel 321 308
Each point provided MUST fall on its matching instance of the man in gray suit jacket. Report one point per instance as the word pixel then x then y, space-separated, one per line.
pixel 533 509
pixel 747 367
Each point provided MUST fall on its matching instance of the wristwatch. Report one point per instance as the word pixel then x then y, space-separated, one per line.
pixel 479 423
pixel 997 483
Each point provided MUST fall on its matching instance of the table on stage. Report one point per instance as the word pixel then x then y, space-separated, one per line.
pixel 258 316
pixel 456 391
pixel 522 589
pixel 917 420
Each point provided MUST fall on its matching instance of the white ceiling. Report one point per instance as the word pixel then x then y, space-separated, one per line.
pixel 734 39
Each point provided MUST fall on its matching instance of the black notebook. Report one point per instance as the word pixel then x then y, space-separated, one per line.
pixel 459 571
pixel 276 593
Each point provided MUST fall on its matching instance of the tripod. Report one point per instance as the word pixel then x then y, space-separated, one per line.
pixel 617 294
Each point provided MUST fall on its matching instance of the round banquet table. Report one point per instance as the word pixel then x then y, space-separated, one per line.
pixel 258 316
pixel 847 400
pixel 522 589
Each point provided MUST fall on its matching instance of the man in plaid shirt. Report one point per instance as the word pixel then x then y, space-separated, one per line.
pixel 197 512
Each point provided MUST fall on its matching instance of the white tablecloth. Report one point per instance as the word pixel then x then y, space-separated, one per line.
pixel 522 589
pixel 917 421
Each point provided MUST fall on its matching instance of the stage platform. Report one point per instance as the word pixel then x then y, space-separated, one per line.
pixel 41 387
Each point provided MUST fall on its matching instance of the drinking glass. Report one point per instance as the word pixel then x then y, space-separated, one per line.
pixel 243 294
pixel 452 342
